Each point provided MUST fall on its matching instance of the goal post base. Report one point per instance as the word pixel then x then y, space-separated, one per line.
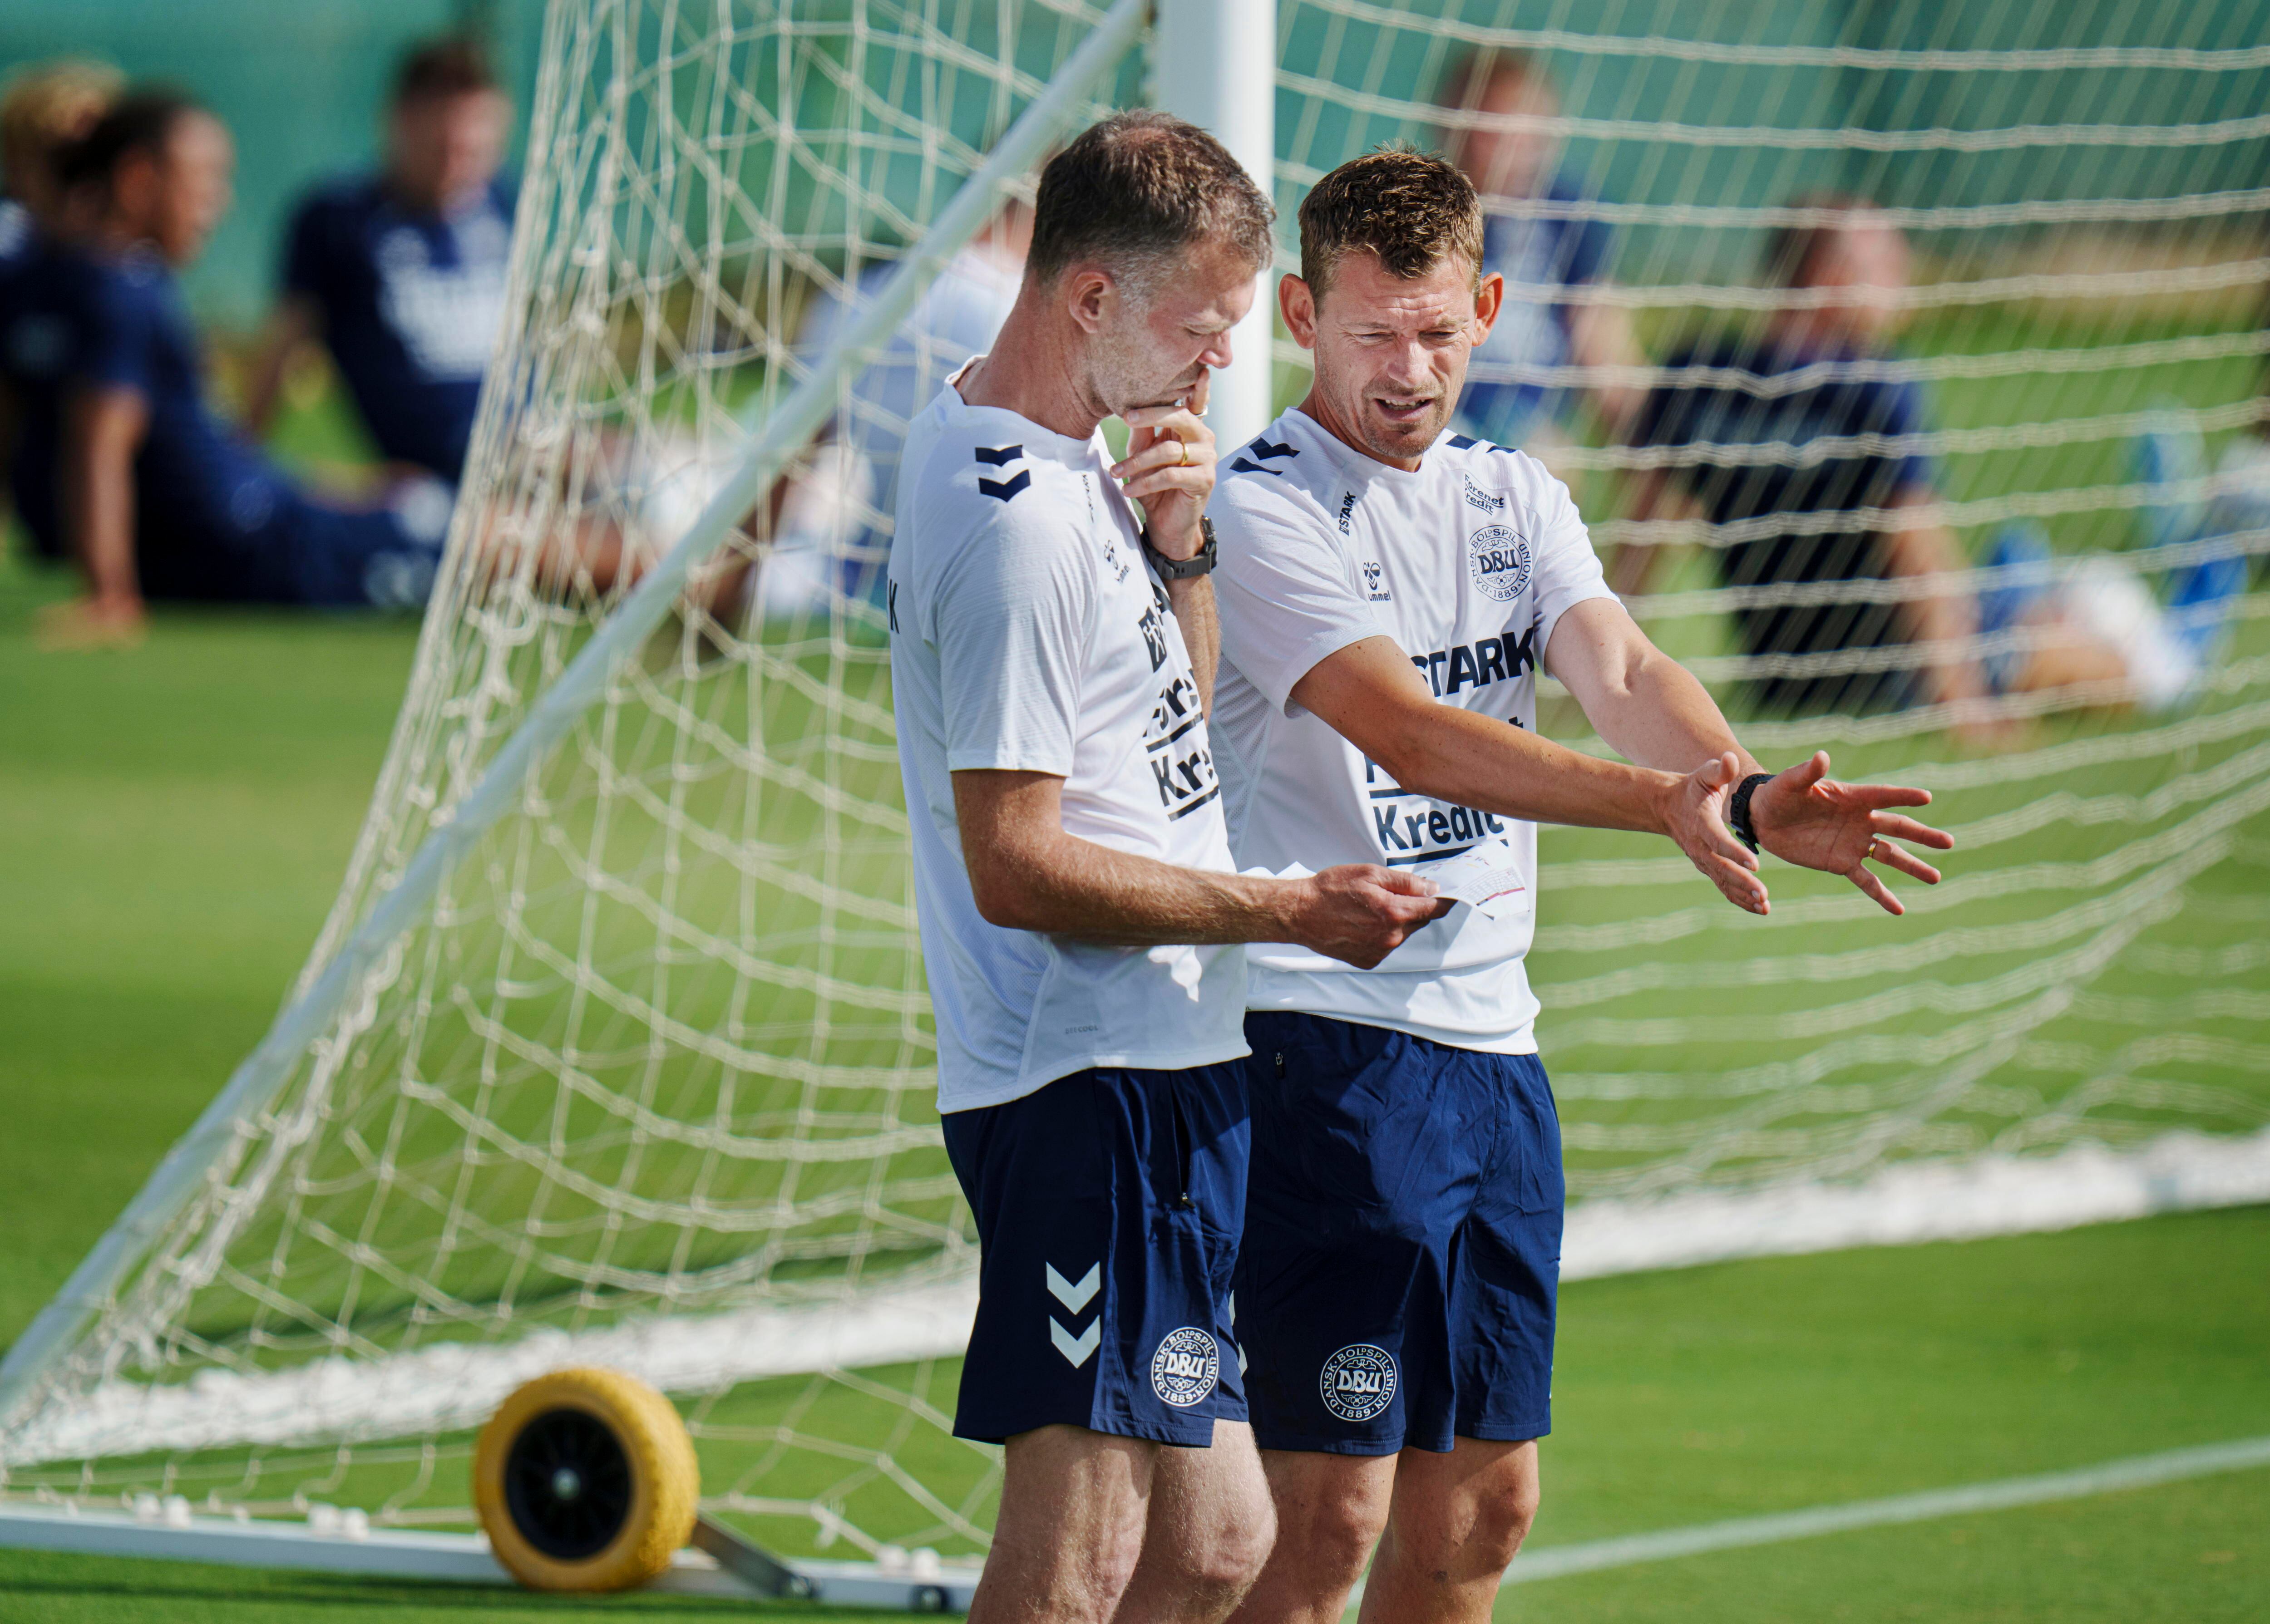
pixel 443 1558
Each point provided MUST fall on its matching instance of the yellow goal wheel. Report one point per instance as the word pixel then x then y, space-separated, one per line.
pixel 585 1480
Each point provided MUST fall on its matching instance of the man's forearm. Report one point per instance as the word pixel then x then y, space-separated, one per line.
pixel 293 325
pixel 1068 886
pixel 1666 718
pixel 106 434
pixel 1474 760
pixel 1192 602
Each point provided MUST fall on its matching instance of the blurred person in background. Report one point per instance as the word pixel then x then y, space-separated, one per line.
pixel 44 110
pixel 158 498
pixel 2208 495
pixel 400 273
pixel 1860 508
pixel 831 545
pixel 1534 236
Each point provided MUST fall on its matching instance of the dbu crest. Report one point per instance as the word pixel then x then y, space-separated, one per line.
pixel 1499 560
pixel 1184 1368
pixel 1358 1381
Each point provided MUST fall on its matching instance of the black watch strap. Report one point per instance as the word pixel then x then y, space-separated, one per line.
pixel 1201 563
pixel 1738 809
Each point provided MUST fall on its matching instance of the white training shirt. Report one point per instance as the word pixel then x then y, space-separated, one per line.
pixel 1468 564
pixel 1029 633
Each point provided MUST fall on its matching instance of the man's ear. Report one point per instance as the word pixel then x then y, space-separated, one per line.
pixel 1489 300
pixel 1087 293
pixel 1299 307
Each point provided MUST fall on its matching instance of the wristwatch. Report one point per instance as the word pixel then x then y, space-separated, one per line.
pixel 1738 809
pixel 1200 563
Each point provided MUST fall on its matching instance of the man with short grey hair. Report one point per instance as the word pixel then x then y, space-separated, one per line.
pixel 1052 651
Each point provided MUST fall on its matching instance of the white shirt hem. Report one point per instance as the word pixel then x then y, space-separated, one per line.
pixel 1177 1060
pixel 1521 1040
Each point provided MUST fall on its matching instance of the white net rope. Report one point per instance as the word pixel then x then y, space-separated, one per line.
pixel 650 1083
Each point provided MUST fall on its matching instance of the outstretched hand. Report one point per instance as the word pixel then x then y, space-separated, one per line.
pixel 1804 816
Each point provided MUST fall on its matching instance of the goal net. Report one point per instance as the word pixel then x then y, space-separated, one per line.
pixel 615 1048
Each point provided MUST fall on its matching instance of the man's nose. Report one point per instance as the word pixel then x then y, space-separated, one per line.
pixel 1409 363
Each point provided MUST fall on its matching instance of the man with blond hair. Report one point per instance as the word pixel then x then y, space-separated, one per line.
pixel 44 109
pixel 1389 593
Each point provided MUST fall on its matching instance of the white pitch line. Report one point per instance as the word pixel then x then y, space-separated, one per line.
pixel 2137 1472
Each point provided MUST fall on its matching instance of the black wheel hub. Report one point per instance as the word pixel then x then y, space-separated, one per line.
pixel 568 1485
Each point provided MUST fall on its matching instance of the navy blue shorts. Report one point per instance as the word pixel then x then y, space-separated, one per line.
pixel 1108 1205
pixel 1402 1253
pixel 311 552
pixel 377 558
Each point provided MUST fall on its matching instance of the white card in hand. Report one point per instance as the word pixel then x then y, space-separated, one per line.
pixel 1484 877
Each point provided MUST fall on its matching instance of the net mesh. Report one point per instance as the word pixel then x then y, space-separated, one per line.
pixel 650 1085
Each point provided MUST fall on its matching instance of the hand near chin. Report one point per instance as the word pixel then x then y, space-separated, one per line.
pixel 1170 469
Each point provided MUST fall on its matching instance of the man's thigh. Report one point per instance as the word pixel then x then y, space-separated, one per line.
pixel 1108 1205
pixel 1505 1283
pixel 1397 1280
pixel 1362 1175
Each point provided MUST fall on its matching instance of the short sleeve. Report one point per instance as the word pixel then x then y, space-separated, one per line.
pixel 1281 587
pixel 303 269
pixel 1011 614
pixel 1567 572
pixel 121 327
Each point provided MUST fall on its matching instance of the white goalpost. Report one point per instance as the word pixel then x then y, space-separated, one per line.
pixel 615 1048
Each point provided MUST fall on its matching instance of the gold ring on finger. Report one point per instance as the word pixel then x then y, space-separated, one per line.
pixel 1182 454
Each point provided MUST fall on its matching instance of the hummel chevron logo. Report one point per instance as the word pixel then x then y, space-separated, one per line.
pixel 1077 1350
pixel 1075 1297
pixel 999 455
pixel 1247 465
pixel 1264 450
pixel 1006 490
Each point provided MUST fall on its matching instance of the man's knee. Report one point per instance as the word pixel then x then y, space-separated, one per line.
pixel 1474 1525
pixel 1239 1548
pixel 1503 1516
pixel 1331 1536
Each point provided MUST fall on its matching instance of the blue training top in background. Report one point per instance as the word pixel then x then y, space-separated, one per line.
pixel 202 498
pixel 1759 394
pixel 1530 253
pixel 410 304
pixel 214 519
pixel 40 329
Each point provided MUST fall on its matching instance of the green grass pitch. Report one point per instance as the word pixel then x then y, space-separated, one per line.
pixel 177 820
